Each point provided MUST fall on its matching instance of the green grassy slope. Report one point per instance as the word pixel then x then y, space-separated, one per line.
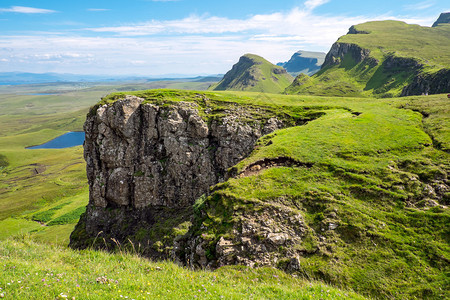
pixel 398 53
pixel 371 183
pixel 373 163
pixel 36 180
pixel 36 271
pixel 255 74
pixel 369 178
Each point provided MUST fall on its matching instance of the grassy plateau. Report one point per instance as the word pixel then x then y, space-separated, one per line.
pixel 372 163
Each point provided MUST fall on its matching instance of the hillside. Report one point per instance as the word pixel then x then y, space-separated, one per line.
pixel 305 62
pixel 255 74
pixel 351 191
pixel 383 59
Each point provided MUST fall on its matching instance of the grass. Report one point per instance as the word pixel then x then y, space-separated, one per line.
pixel 374 77
pixel 370 162
pixel 37 271
pixel 426 44
pixel 255 74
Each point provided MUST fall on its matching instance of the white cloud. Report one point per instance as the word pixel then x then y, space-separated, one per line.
pixel 311 4
pixel 294 22
pixel 27 10
pixel 192 45
pixel 419 6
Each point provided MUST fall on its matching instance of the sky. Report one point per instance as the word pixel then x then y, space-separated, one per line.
pixel 189 37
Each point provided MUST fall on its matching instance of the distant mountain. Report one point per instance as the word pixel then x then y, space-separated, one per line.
pixel 444 18
pixel 305 62
pixel 254 73
pixel 18 78
pixel 383 59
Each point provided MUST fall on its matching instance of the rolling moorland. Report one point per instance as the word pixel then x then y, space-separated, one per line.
pixel 353 192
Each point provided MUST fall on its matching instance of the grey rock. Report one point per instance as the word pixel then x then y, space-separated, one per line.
pixel 141 157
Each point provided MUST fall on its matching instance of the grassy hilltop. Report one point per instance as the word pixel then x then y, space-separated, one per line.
pixel 254 74
pixel 368 176
pixel 380 59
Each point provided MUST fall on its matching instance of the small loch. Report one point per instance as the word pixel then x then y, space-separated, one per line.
pixel 69 139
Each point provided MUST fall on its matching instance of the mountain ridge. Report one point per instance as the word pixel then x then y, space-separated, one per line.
pixel 307 62
pixel 256 74
pixel 383 59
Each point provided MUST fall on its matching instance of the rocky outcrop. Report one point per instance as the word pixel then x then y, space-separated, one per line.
pixel 423 83
pixel 353 30
pixel 419 82
pixel 339 50
pixel 268 236
pixel 145 160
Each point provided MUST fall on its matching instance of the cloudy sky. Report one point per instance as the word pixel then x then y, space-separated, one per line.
pixel 156 37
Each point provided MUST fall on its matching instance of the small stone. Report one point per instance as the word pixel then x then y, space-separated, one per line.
pixel 277 238
pixel 255 168
pixel 332 226
pixel 294 264
pixel 432 203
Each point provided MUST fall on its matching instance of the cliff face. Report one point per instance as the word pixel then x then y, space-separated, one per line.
pixel 145 160
pixel 383 59
pixel 305 62
pixel 429 83
pixel 339 50
pixel 444 18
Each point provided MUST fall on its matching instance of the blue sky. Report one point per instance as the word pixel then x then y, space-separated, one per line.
pixel 156 37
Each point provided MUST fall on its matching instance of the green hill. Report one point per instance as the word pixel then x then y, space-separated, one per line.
pixel 255 74
pixel 383 59
pixel 353 192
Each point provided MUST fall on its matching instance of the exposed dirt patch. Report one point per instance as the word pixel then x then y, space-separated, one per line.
pixel 37 169
pixel 267 163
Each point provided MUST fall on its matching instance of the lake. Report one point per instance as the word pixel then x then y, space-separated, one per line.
pixel 69 139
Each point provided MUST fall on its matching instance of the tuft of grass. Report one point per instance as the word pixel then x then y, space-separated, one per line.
pixel 37 271
pixel 68 218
